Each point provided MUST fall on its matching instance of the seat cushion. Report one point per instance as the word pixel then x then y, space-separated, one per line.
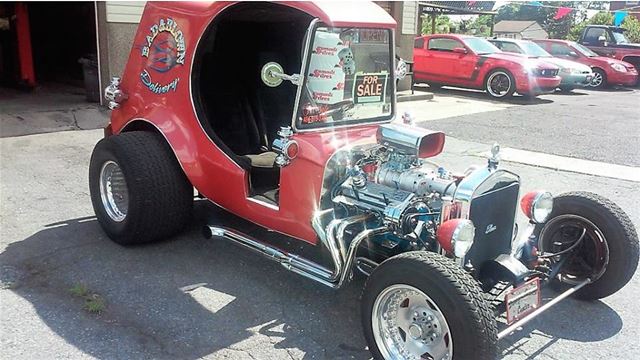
pixel 263 160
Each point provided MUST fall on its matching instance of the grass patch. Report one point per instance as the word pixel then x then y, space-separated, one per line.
pixel 93 302
pixel 79 290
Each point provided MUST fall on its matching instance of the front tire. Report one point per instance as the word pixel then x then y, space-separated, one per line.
pixel 138 190
pixel 608 252
pixel 419 303
pixel 599 80
pixel 500 84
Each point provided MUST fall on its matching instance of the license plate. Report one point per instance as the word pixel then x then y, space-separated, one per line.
pixel 523 300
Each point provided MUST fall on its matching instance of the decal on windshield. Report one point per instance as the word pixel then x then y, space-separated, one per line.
pixel 369 87
pixel 164 49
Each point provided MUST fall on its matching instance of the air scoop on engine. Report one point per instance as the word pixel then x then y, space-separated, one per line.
pixel 410 140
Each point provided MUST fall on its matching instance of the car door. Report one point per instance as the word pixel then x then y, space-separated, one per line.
pixel 448 64
pixel 420 59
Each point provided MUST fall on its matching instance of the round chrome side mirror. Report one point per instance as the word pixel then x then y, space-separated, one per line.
pixel 270 72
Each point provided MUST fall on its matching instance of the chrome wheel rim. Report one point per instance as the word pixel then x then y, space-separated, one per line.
pixel 407 324
pixel 113 191
pixel 592 254
pixel 597 80
pixel 498 84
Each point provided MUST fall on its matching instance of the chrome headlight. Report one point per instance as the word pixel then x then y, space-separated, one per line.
pixel 537 205
pixel 456 236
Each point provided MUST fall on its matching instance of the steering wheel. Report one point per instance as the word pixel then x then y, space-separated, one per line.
pixel 338 108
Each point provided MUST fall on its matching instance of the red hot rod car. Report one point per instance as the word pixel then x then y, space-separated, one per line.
pixel 472 62
pixel 296 135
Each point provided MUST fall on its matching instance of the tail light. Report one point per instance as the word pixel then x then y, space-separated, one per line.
pixel 537 205
pixel 455 236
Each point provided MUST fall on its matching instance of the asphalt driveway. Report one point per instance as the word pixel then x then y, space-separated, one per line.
pixel 191 298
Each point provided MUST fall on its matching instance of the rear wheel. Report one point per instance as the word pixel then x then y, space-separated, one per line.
pixel 500 84
pixel 598 242
pixel 599 80
pixel 138 190
pixel 421 305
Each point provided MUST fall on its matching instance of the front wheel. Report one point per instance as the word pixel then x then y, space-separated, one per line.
pixel 599 80
pixel 421 305
pixel 597 240
pixel 500 84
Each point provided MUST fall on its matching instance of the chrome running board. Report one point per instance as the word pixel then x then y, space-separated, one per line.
pixel 335 244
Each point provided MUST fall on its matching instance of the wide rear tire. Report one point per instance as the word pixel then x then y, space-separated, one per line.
pixel 138 190
pixel 424 301
pixel 609 252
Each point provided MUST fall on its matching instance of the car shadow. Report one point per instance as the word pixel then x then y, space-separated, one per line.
pixel 183 298
pixel 481 95
pixel 574 320
pixel 189 297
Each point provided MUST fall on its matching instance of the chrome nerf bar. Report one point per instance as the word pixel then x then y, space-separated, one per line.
pixel 513 327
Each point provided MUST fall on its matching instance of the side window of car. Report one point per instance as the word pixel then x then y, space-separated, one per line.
pixel 592 35
pixel 510 47
pixel 560 50
pixel 443 44
pixel 418 43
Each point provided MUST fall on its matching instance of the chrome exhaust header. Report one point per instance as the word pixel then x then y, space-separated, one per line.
pixel 332 237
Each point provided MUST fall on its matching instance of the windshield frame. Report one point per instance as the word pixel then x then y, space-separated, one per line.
pixel 309 39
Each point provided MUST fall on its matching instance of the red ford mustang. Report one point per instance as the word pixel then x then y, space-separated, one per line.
pixel 471 62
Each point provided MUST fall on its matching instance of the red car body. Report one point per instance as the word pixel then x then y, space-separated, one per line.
pixel 173 114
pixel 573 51
pixel 470 69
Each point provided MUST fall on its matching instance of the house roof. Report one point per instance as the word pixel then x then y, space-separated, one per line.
pixel 513 26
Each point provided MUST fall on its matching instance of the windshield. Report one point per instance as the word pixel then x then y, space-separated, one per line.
pixel 480 46
pixel 533 49
pixel 348 78
pixel 584 50
pixel 620 38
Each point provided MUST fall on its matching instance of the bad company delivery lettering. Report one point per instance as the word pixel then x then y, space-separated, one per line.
pixel 164 48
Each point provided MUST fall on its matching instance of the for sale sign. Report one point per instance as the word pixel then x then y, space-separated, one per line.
pixel 369 87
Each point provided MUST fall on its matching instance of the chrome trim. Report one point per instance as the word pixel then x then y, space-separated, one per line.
pixel 114 94
pixel 303 68
pixel 263 203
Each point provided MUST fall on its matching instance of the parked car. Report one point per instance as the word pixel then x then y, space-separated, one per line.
pixel 610 41
pixel 606 71
pixel 297 138
pixel 472 62
pixel 573 74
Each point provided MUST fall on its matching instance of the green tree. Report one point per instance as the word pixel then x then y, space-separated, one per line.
pixel 601 18
pixel 480 26
pixel 632 27
pixel 443 25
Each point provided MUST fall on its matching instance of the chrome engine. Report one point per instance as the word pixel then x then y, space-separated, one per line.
pixel 393 182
